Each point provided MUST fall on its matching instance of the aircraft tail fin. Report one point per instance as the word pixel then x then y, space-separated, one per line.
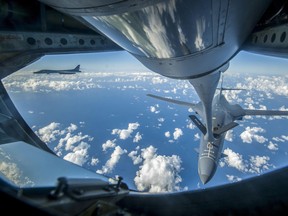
pixel 198 123
pixel 77 68
pixel 227 89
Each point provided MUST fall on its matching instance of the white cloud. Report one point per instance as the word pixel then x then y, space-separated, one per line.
pixel 158 173
pixel 72 127
pixel 250 134
pixel 177 133
pixel 277 139
pixel 111 163
pixel 126 133
pixel 229 136
pixel 27 81
pixel 137 137
pixel 259 164
pixel 233 178
pixel 153 109
pixel 235 160
pixel 72 139
pixel 268 84
pixel 232 96
pixel 49 133
pixel 69 140
pixel 167 134
pixel 108 144
pixel 196 137
pixel 51 83
pixel 272 146
pixel 94 161
pixel 52 132
pixel 73 144
pixel 135 158
pixel 158 80
pixel 191 126
pixel 79 155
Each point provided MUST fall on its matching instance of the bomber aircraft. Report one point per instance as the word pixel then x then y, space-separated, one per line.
pixel 219 116
pixel 67 71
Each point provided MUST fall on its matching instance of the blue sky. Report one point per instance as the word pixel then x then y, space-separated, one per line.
pixel 95 62
pixel 113 61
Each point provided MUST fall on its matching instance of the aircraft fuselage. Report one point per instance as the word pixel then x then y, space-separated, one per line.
pixel 210 150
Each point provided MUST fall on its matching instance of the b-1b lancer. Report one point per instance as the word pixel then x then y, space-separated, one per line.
pixel 67 71
pixel 218 117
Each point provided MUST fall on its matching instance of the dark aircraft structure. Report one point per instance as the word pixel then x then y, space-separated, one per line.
pixel 179 39
pixel 65 71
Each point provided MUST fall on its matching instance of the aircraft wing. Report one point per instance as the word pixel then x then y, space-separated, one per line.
pixel 266 112
pixel 66 72
pixel 172 100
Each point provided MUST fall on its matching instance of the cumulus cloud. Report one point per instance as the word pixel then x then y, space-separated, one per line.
pixel 259 164
pixel 233 178
pixel 196 137
pixel 159 80
pixel 232 96
pixel 177 133
pixel 167 134
pixel 114 159
pixel 69 140
pixel 277 139
pixel 74 145
pixel 108 144
pixel 137 137
pixel 94 161
pixel 153 109
pixel 191 126
pixel 135 158
pixel 250 134
pixel 158 173
pixel 126 133
pixel 235 160
pixel 272 146
pixel 79 154
pixel 49 133
pixel 268 84
pixel 256 164
pixel 229 136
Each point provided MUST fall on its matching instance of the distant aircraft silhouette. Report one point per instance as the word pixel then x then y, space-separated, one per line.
pixel 69 71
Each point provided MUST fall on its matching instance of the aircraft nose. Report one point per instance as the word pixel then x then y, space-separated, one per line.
pixel 207 168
